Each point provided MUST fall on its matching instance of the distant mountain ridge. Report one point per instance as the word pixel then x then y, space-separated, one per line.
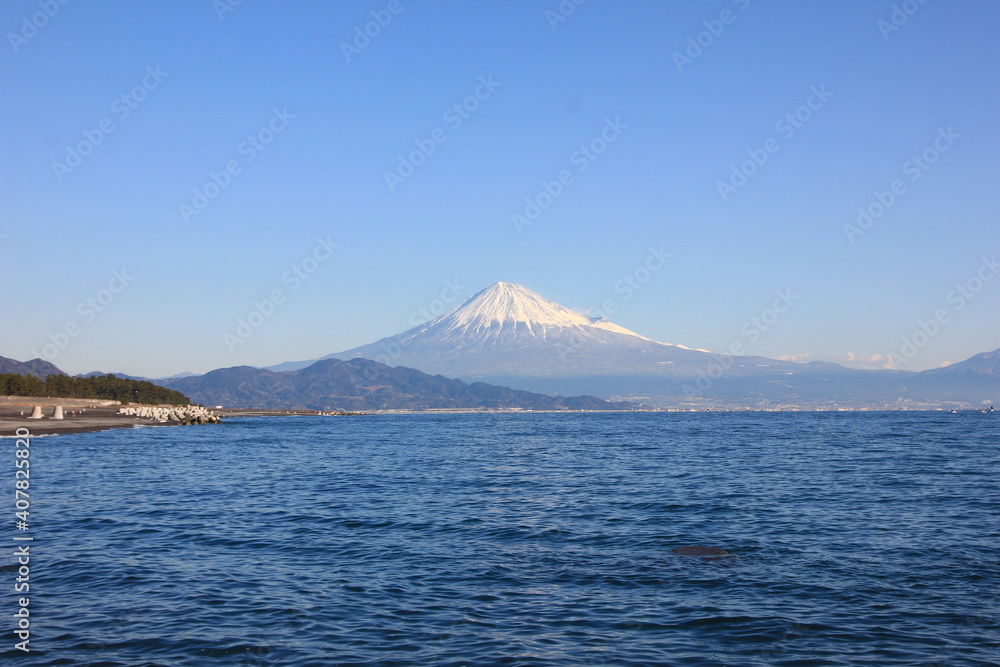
pixel 37 367
pixel 136 377
pixel 361 384
pixel 94 374
pixel 985 364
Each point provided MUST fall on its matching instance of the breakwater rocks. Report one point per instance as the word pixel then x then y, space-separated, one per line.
pixel 188 414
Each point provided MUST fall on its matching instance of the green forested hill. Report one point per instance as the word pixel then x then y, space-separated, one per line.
pixel 108 387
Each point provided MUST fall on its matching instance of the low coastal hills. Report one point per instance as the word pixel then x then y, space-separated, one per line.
pixel 361 384
pixel 354 385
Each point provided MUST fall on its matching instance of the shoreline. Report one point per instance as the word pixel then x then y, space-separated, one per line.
pixel 94 419
pixel 79 416
pixel 90 419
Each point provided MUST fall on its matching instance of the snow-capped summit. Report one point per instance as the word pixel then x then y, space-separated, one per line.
pixel 510 313
pixel 508 302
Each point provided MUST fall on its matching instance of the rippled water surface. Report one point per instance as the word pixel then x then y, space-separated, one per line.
pixel 517 540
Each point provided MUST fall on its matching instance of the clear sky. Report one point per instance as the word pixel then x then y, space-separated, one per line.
pixel 213 153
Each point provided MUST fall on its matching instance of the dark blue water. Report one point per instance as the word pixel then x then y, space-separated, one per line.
pixel 517 540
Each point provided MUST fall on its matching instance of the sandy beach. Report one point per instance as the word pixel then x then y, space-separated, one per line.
pixel 79 416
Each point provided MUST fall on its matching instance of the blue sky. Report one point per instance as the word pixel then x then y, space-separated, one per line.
pixel 114 116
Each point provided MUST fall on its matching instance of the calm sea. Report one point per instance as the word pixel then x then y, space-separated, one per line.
pixel 857 539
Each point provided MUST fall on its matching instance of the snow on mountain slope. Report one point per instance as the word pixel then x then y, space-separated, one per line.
pixel 502 303
pixel 508 314
pixel 507 330
pixel 601 323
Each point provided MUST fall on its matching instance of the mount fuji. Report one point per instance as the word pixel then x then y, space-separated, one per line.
pixel 506 334
pixel 508 331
